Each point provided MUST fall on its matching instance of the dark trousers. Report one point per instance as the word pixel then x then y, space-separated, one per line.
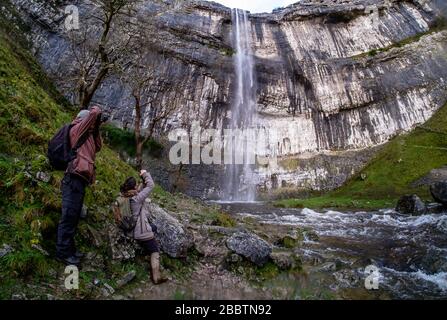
pixel 73 191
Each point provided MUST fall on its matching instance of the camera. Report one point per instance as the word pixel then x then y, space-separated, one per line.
pixel 104 117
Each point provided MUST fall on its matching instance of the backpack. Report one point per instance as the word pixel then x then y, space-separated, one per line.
pixel 60 153
pixel 123 214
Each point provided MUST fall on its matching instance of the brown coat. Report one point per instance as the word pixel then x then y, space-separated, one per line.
pixel 84 164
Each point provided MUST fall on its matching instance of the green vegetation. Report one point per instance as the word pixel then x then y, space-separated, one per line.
pixel 289 242
pixel 289 164
pixel 391 174
pixel 124 140
pixel 228 51
pixel 439 25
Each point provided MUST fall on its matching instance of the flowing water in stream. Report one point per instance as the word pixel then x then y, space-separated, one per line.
pixel 410 252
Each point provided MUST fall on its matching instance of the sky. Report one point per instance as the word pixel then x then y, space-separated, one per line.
pixel 256 6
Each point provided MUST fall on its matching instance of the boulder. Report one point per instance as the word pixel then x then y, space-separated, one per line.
pixel 250 246
pixel 174 239
pixel 439 192
pixel 126 279
pixel 43 176
pixel 412 205
pixel 5 250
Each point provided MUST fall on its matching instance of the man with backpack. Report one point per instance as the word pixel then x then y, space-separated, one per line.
pixel 83 134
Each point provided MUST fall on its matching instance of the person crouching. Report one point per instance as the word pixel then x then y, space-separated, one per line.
pixel 143 232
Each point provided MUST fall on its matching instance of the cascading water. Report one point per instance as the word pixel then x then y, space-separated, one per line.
pixel 240 182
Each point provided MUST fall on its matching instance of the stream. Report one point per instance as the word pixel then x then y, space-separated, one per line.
pixel 407 255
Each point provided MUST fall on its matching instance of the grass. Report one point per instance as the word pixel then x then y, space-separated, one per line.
pixel 391 174
pixel 439 25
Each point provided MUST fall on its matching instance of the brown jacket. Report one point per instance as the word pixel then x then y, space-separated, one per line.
pixel 84 164
pixel 143 230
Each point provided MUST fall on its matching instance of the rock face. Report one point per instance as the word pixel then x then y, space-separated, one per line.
pixel 412 205
pixel 250 246
pixel 439 192
pixel 334 78
pixel 172 236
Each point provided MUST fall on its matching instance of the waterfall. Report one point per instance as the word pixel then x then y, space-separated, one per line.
pixel 240 180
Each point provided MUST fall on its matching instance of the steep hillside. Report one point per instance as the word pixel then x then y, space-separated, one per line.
pixel 30 196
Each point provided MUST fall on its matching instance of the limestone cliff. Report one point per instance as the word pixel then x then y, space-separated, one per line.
pixel 334 78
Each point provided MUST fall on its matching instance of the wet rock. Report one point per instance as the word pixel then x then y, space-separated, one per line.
pixel 121 247
pixel 174 239
pixel 108 290
pixel 250 246
pixel 43 176
pixel 435 175
pixel 436 208
pixel 347 278
pixel 310 235
pixel 439 192
pixel 411 204
pixel 331 266
pixel 5 250
pixel 328 266
pixel 126 279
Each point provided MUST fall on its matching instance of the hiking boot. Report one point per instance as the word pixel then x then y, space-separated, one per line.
pixel 69 261
pixel 157 278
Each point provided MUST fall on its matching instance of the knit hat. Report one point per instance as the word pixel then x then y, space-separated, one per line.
pixel 83 114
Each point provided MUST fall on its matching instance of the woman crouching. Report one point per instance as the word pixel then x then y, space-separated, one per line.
pixel 143 232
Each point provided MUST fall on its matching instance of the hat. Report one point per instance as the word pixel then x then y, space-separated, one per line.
pixel 83 114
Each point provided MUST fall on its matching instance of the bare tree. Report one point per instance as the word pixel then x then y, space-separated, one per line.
pixel 104 39
pixel 148 78
pixel 99 44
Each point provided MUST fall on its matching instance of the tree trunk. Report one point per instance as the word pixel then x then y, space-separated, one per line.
pixel 87 92
pixel 139 155
pixel 139 141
